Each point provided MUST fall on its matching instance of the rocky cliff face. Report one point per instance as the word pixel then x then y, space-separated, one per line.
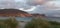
pixel 17 13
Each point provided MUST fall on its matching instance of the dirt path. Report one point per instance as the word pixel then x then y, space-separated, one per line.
pixel 22 24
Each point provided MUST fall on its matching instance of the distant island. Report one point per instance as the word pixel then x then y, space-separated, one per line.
pixel 17 13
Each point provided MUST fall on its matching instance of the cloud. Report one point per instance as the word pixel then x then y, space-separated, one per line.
pixel 48 7
pixel 35 2
pixel 48 10
pixel 30 9
pixel 53 4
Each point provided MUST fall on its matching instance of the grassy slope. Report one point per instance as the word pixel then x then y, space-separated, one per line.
pixel 40 23
pixel 9 23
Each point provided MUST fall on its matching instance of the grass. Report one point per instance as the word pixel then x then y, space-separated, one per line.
pixel 34 23
pixel 54 24
pixel 40 23
pixel 9 23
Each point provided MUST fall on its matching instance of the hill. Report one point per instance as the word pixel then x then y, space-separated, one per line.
pixel 13 12
pixel 17 13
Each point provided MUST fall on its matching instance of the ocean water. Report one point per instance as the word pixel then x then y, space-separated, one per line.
pixel 26 19
pixel 57 19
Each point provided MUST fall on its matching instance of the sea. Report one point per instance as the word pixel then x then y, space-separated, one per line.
pixel 57 19
pixel 27 19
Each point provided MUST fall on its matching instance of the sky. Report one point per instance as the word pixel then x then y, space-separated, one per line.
pixel 48 7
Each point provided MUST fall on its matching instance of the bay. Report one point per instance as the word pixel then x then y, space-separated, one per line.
pixel 26 19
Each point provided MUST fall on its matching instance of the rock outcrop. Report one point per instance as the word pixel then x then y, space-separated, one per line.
pixel 38 15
